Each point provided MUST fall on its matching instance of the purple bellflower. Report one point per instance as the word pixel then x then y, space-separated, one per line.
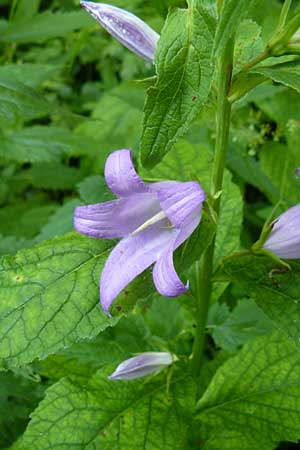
pixel 284 239
pixel 142 365
pixel 127 28
pixel 152 220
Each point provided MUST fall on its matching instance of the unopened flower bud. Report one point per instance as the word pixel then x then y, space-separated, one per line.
pixel 284 239
pixel 127 28
pixel 142 365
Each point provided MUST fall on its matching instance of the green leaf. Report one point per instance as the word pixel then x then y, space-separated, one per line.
pixel 232 13
pixel 279 164
pixel 248 43
pixel 60 222
pixel 183 61
pixel 44 26
pixel 18 100
pixel 230 330
pixel 233 440
pixel 50 297
pixel 26 9
pixel 53 176
pixel 257 392
pixel 31 74
pixel 102 415
pixel 94 190
pixel 11 244
pixel 20 392
pixel 287 73
pixel 274 288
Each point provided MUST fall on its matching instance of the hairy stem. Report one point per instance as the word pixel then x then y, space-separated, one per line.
pixel 204 267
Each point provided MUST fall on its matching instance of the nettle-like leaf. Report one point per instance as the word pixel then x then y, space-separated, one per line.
pixel 44 26
pixel 103 414
pixel 231 329
pixel 19 100
pixel 233 440
pixel 257 392
pixel 185 69
pixel 274 288
pixel 50 297
pixel 287 73
pixel 233 11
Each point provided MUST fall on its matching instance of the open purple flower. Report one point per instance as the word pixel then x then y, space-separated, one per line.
pixel 284 239
pixel 152 220
pixel 127 28
pixel 142 365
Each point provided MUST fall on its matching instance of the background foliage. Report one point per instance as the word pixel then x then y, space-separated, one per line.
pixel 69 96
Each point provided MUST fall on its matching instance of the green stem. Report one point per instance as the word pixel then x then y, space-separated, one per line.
pixel 204 267
pixel 259 58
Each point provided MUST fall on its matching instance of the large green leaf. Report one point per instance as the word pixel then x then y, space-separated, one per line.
pixel 233 440
pixel 50 297
pixel 233 11
pixel 275 289
pixel 110 415
pixel 44 26
pixel 257 392
pixel 184 67
pixel 287 73
pixel 19 100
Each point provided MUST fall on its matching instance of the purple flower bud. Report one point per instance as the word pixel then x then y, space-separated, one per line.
pixel 127 28
pixel 284 239
pixel 141 365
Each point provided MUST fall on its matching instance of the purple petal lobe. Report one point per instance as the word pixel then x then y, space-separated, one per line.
pixel 284 239
pixel 131 257
pixel 165 277
pixel 117 218
pixel 141 365
pixel 120 175
pixel 127 28
pixel 180 200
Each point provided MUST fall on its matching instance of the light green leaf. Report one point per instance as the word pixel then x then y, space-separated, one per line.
pixel 102 415
pixel 278 162
pixel 257 392
pixel 233 329
pixel 184 67
pixel 60 222
pixel 274 288
pixel 44 144
pixel 31 74
pixel 20 100
pixel 230 220
pixel 287 73
pixel 44 26
pixel 233 440
pixel 94 190
pixel 50 297
pixel 232 13
pixel 248 43
pixel 54 176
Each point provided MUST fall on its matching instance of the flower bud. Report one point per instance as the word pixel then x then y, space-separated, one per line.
pixel 141 365
pixel 127 28
pixel 284 239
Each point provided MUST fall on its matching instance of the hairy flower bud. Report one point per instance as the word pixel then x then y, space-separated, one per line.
pixel 284 239
pixel 141 365
pixel 127 28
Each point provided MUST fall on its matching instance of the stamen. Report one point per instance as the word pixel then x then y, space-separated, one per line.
pixel 159 216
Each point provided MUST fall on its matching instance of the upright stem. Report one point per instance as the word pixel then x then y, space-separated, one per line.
pixel 205 267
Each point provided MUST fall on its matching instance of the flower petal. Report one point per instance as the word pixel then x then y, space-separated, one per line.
pixel 120 175
pixel 141 365
pixel 127 28
pixel 117 218
pixel 284 239
pixel 131 257
pixel 180 200
pixel 165 277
